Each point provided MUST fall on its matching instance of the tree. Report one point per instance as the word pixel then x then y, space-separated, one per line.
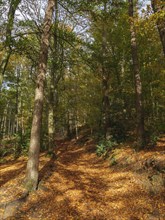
pixel 88 80
pixel 8 41
pixel 159 8
pixel 137 78
pixel 34 149
pixel 54 80
pixel 105 78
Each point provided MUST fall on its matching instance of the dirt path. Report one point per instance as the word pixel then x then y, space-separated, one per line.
pixel 77 185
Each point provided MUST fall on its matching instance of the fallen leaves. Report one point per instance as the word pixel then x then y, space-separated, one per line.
pixel 78 185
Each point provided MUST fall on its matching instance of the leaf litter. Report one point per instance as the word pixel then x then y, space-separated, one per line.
pixel 76 184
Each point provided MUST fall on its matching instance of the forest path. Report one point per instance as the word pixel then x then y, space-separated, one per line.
pixel 79 185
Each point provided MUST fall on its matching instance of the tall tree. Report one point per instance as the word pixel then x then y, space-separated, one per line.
pixel 159 7
pixel 33 160
pixel 137 78
pixel 105 78
pixel 54 79
pixel 8 41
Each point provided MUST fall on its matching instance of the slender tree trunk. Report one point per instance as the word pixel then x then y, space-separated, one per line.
pixel 53 94
pixel 5 121
pixel 11 14
pixel 69 125
pixel 33 161
pixel 105 105
pixel 1 126
pixel 158 6
pixel 51 126
pixel 105 82
pixel 138 84
pixel 17 111
pixel 2 122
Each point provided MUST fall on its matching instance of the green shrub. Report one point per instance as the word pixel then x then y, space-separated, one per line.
pixel 153 139
pixel 105 146
pixel 15 145
pixel 113 160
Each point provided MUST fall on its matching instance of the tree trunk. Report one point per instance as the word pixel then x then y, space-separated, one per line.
pixel 54 79
pixel 138 84
pixel 11 14
pixel 158 6
pixel 105 105
pixel 105 81
pixel 51 126
pixel 17 128
pixel 33 161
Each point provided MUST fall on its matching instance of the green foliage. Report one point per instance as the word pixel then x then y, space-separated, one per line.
pixel 153 139
pixel 105 146
pixel 4 151
pixel 78 73
pixel 22 142
pixel 113 160
pixel 7 147
pixel 15 145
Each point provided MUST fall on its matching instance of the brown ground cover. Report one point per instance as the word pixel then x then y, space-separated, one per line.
pixel 76 184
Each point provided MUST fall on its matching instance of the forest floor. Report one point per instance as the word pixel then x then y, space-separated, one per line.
pixel 78 185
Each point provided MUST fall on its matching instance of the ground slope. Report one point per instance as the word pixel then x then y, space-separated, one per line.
pixel 78 185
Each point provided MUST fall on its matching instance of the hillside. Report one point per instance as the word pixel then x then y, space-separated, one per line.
pixel 76 184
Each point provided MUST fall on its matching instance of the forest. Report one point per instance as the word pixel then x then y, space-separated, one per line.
pixel 82 109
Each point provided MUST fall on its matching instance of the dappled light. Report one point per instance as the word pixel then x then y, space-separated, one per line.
pixel 76 184
pixel 82 110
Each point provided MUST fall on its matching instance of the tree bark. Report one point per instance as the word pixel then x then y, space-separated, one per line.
pixel 54 79
pixel 138 83
pixel 105 81
pixel 51 127
pixel 33 161
pixel 105 105
pixel 158 6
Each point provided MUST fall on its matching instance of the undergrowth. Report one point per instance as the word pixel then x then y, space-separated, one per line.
pixel 104 146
